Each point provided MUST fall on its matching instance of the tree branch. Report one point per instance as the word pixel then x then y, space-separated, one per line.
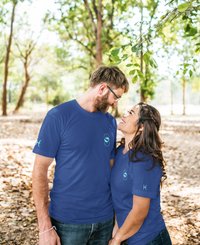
pixel 91 17
pixel 94 7
pixel 108 42
pixel 75 39
pixel 111 21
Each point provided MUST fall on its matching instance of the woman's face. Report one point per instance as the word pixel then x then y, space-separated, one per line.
pixel 128 123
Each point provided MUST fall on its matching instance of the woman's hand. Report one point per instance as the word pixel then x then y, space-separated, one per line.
pixel 115 229
pixel 113 242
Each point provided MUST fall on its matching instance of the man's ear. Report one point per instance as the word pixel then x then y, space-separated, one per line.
pixel 141 128
pixel 102 88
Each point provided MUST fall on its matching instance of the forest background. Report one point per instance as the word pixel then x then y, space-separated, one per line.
pixel 49 49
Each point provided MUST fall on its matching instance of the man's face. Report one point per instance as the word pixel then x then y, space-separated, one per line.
pixel 104 102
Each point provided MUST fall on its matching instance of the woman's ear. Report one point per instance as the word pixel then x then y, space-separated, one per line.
pixel 141 128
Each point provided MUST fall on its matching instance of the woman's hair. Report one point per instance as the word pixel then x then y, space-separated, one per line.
pixel 148 142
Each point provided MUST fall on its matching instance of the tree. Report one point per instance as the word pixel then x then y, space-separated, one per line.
pixel 25 56
pixel 8 49
pixel 90 24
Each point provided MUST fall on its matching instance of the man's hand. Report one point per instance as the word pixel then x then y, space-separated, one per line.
pixel 49 238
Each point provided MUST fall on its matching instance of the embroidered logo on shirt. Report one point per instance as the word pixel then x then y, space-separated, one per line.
pixel 144 187
pixel 106 138
pixel 38 143
pixel 125 175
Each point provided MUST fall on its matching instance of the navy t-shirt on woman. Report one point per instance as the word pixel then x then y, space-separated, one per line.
pixel 82 144
pixel 133 178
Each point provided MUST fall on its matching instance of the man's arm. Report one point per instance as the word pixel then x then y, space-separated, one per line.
pixel 40 196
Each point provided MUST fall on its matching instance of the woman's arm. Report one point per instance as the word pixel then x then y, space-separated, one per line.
pixel 133 221
pixel 115 228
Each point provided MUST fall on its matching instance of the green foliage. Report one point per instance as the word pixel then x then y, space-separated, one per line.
pixel 184 6
pixel 58 97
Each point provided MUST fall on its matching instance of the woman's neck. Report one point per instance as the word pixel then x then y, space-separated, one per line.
pixel 128 139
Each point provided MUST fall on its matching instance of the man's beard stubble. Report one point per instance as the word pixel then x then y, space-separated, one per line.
pixel 101 104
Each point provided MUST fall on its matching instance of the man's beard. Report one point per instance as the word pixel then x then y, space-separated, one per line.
pixel 101 104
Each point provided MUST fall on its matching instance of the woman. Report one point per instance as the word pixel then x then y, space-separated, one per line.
pixel 136 179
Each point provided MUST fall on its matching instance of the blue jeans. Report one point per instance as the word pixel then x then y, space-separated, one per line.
pixel 84 234
pixel 162 238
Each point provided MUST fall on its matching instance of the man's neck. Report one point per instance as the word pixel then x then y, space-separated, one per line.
pixel 87 101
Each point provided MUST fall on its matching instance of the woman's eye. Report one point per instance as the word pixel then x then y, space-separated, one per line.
pixel 130 112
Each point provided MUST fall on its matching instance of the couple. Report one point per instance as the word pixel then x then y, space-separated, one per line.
pixel 81 136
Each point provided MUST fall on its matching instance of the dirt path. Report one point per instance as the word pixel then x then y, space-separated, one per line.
pixel 180 194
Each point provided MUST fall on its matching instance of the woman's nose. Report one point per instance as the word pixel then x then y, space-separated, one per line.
pixel 125 114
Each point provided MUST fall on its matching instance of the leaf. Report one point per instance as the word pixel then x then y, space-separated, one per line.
pixel 125 45
pixel 129 65
pixel 136 64
pixel 184 6
pixel 184 72
pixel 137 52
pixel 134 48
pixel 192 32
pixel 115 51
pixel 125 57
pixel 134 80
pixel 177 72
pixel 132 72
pixel 146 57
pixel 111 64
pixel 117 63
pixel 153 63
pixel 163 16
pixel 195 60
pixel 190 72
pixel 197 50
pixel 186 65
pixel 197 44
pixel 115 58
pixel 140 74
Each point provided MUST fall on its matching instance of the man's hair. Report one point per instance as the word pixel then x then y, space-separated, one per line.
pixel 110 75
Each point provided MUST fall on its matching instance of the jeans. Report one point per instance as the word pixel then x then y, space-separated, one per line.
pixel 84 234
pixel 162 238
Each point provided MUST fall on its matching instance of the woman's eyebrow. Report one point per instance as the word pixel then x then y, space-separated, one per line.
pixel 133 111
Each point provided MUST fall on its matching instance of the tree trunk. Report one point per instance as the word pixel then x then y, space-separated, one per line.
pixel 47 97
pixel 171 99
pixel 183 95
pixel 142 97
pixel 98 36
pixel 4 96
pixel 21 97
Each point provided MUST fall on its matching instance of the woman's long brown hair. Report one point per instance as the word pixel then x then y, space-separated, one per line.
pixel 148 142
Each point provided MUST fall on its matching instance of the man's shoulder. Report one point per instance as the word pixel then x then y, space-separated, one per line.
pixel 62 109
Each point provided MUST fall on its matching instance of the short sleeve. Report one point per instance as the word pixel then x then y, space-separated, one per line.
pixel 146 183
pixel 49 137
pixel 113 152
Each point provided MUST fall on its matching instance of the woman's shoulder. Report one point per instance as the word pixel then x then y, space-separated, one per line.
pixel 145 161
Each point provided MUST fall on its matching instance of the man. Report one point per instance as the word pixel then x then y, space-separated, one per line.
pixel 81 136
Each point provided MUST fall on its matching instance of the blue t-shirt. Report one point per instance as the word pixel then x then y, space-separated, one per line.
pixel 132 178
pixel 82 144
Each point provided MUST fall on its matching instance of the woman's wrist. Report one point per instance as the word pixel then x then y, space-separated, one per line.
pixel 117 238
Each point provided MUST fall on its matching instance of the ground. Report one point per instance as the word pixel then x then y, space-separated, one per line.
pixel 180 194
